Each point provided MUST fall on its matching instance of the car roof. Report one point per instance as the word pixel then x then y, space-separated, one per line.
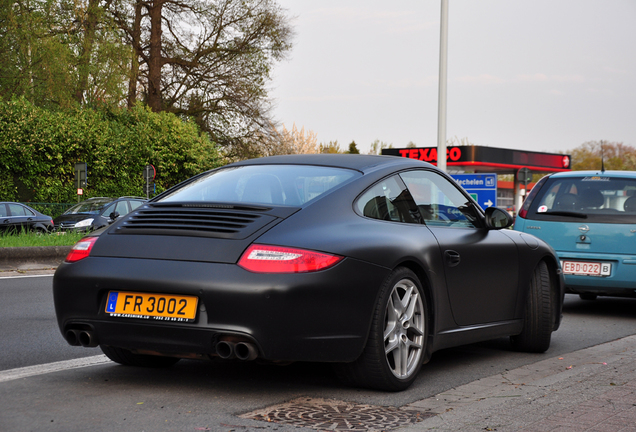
pixel 622 174
pixel 113 199
pixel 357 162
pixel 19 203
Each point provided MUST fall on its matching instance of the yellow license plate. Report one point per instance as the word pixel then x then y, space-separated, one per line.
pixel 162 307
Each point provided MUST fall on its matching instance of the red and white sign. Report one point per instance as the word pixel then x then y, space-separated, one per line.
pixel 80 191
pixel 566 161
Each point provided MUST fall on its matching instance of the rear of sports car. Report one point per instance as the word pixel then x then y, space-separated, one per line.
pixel 198 273
pixel 589 218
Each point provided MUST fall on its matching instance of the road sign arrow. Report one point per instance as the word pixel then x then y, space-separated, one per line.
pixel 488 203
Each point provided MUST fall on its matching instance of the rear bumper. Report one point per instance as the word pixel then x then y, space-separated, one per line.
pixel 621 282
pixel 322 316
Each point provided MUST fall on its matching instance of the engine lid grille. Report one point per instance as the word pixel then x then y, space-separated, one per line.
pixel 197 219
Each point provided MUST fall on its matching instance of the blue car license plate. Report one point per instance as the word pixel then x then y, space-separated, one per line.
pixel 586 268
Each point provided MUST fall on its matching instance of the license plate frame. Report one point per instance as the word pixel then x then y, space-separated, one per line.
pixel 586 268
pixel 152 306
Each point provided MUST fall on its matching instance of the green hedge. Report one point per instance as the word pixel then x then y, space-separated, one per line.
pixel 39 149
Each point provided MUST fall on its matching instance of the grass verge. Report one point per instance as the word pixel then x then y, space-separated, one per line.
pixel 31 239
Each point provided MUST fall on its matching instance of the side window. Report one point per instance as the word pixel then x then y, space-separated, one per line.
pixel 135 204
pixel 122 207
pixel 18 210
pixel 439 201
pixel 3 210
pixel 388 200
pixel 109 210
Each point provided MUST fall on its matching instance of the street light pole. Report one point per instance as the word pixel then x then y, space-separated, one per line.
pixel 441 109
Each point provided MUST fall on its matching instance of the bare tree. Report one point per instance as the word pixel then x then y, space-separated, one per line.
pixel 377 146
pixel 206 60
pixel 292 141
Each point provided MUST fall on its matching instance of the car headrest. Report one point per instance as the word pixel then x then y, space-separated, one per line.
pixel 377 208
pixel 567 201
pixel 592 198
pixel 630 205
pixel 263 188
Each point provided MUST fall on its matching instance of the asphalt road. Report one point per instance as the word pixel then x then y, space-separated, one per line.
pixel 203 395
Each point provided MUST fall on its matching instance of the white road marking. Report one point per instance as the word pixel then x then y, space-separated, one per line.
pixel 14 374
pixel 27 276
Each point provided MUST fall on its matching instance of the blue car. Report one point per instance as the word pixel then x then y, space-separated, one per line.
pixel 589 218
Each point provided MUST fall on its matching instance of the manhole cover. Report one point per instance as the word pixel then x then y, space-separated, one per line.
pixel 333 415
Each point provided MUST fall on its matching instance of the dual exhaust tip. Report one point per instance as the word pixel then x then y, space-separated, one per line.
pixel 85 338
pixel 227 350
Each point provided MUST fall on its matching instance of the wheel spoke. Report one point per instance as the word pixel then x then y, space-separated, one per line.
pixel 414 345
pixel 396 302
pixel 391 320
pixel 392 345
pixel 404 359
pixel 410 308
pixel 418 331
pixel 390 330
pixel 406 298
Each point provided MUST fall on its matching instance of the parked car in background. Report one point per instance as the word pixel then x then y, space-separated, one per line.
pixel 368 262
pixel 15 217
pixel 589 218
pixel 95 213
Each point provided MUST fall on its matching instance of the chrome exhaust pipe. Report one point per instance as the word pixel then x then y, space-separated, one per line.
pixel 225 350
pixel 87 339
pixel 246 351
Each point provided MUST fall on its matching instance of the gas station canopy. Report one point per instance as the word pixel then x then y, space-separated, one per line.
pixel 488 159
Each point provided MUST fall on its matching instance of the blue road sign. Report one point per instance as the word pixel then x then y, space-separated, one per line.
pixel 482 187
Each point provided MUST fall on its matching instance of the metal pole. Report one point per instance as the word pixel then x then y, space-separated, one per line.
pixel 441 110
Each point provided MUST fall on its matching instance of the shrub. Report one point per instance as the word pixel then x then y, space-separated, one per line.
pixel 39 149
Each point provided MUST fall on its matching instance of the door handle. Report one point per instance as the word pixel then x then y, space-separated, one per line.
pixel 452 258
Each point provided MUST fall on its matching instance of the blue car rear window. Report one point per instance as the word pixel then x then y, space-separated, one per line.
pixel 595 198
pixel 287 185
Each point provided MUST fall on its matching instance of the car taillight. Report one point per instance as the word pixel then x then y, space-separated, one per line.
pixel 523 213
pixel 81 249
pixel 276 259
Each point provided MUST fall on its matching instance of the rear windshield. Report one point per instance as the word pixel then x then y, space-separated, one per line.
pixel 602 199
pixel 287 185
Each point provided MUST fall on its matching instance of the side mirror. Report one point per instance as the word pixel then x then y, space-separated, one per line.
pixel 497 218
pixel 114 215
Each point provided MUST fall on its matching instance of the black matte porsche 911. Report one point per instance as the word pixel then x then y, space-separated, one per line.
pixel 369 262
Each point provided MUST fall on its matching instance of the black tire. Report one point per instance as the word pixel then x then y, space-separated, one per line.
pixel 128 358
pixel 406 328
pixel 588 296
pixel 538 321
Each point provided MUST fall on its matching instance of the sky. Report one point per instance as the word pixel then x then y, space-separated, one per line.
pixel 541 75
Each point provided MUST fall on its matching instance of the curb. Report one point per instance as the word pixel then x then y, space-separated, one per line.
pixel 12 258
